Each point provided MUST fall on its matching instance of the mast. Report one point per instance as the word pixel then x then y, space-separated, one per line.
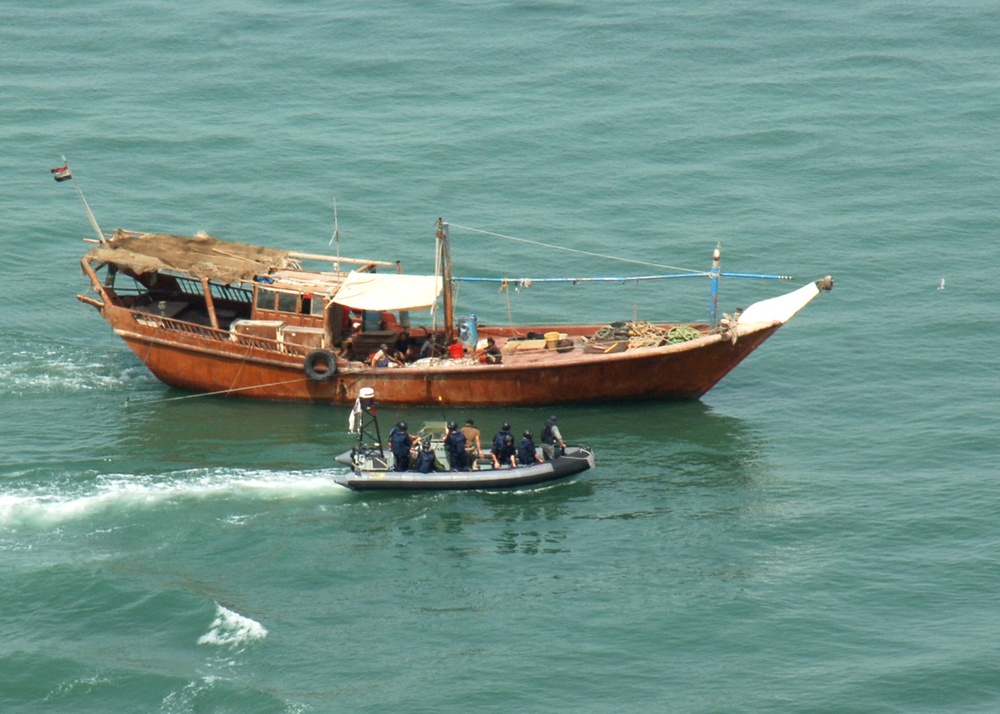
pixel 364 418
pixel 336 235
pixel 716 257
pixel 444 253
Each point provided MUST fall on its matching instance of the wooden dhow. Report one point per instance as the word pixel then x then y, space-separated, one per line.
pixel 228 318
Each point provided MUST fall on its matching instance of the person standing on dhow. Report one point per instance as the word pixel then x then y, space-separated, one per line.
pixel 552 441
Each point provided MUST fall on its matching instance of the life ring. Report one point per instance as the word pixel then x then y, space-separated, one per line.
pixel 325 361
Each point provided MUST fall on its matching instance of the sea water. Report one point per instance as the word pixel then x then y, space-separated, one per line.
pixel 818 533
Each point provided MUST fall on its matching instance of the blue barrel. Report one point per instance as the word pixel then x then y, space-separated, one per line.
pixel 468 332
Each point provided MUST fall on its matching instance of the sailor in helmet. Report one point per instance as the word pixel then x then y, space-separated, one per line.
pixel 425 460
pixel 527 454
pixel 504 431
pixel 552 441
pixel 454 444
pixel 503 451
pixel 401 443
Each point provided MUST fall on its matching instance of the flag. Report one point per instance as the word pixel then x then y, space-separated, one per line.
pixel 354 414
pixel 61 174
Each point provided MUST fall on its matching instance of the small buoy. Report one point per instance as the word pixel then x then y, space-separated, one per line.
pixel 941 284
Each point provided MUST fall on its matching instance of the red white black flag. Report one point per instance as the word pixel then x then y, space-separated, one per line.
pixel 62 173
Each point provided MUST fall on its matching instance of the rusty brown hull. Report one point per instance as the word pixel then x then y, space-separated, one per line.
pixel 207 360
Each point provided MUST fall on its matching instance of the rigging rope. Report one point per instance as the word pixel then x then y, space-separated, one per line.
pixel 576 250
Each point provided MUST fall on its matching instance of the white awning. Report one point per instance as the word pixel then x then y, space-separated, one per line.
pixel 388 291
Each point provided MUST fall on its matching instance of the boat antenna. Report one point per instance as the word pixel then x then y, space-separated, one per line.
pixel 336 233
pixel 63 173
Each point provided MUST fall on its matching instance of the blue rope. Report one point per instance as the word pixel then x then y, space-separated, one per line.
pixel 623 279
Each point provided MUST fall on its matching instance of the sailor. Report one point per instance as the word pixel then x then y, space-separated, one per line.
pixel 527 454
pixel 425 461
pixel 473 445
pixel 454 444
pixel 401 443
pixel 499 438
pixel 552 441
pixel 503 450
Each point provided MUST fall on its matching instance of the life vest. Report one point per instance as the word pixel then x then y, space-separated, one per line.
pixel 547 437
pixel 400 441
pixel 526 451
pixel 455 443
pixel 425 463
pixel 498 441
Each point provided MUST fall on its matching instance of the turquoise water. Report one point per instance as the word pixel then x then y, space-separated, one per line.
pixel 819 533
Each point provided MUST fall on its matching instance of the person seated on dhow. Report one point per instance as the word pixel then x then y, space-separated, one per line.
pixel 491 354
pixel 402 348
pixel 431 348
pixel 383 358
pixel 527 454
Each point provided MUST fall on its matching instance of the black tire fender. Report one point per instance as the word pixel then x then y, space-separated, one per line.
pixel 320 366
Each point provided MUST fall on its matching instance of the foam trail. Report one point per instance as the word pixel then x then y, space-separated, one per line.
pixel 46 505
pixel 231 629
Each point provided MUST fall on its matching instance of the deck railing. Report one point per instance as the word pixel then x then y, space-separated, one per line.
pixel 222 336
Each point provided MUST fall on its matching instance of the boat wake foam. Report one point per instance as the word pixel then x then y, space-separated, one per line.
pixel 52 504
pixel 231 629
pixel 62 369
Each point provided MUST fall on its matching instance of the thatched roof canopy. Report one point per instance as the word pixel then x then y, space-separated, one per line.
pixel 197 257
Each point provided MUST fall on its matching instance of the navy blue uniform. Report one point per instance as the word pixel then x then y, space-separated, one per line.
pixel 499 439
pixel 454 444
pixel 503 447
pixel 425 462
pixel 401 443
pixel 526 451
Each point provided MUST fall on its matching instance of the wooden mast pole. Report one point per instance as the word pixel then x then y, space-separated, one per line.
pixel 449 308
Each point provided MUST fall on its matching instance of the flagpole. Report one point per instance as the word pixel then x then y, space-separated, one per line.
pixel 336 234
pixel 90 214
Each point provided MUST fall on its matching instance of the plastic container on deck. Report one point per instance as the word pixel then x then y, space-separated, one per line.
pixel 468 331
pixel 551 340
pixel 456 350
